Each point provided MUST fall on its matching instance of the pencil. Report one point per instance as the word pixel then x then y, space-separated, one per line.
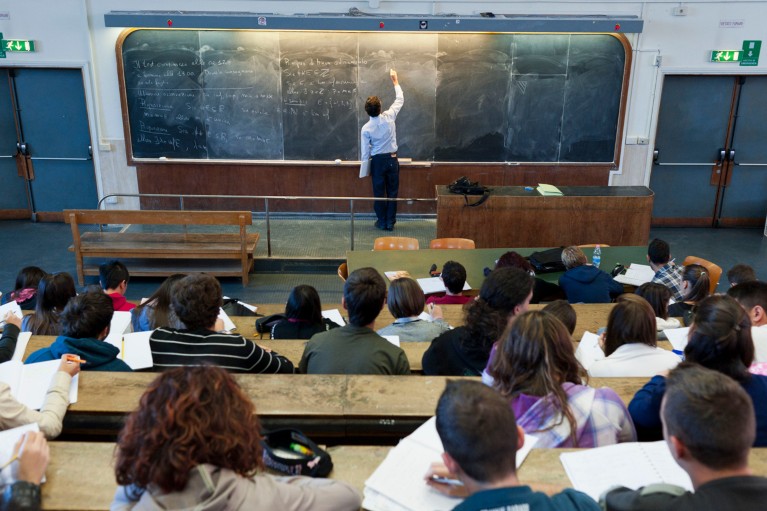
pixel 14 458
pixel 75 358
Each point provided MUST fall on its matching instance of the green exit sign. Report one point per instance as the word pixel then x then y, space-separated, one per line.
pixel 726 55
pixel 17 45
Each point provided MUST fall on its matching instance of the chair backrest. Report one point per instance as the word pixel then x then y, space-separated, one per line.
pixel 460 243
pixel 395 243
pixel 714 270
pixel 343 271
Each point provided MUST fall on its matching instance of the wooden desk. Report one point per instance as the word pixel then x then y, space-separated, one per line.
pixel 81 475
pixel 513 217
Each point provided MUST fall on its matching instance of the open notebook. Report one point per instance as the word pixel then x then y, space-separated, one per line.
pixel 29 383
pixel 8 439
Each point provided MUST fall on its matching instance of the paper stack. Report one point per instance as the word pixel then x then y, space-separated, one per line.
pixel 549 190
pixel 636 275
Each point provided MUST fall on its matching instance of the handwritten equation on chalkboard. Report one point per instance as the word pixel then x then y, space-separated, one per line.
pixel 251 95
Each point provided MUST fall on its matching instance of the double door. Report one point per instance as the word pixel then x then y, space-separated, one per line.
pixel 710 155
pixel 46 162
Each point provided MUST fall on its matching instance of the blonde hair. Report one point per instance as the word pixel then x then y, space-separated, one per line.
pixel 573 257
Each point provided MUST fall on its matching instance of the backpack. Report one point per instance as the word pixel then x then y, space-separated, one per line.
pixel 547 261
pixel 264 325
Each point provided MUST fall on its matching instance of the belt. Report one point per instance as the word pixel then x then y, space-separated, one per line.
pixel 385 155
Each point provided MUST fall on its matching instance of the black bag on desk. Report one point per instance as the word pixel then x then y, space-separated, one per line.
pixel 233 307
pixel 463 186
pixel 264 325
pixel 291 452
pixel 547 261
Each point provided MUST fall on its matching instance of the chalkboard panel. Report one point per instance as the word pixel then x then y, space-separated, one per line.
pixel 257 95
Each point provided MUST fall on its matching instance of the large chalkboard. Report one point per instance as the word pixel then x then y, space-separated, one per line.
pixel 258 95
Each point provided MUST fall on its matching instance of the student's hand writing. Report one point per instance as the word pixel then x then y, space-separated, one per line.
pixel 12 319
pixel 435 311
pixel 33 457
pixel 438 469
pixel 69 367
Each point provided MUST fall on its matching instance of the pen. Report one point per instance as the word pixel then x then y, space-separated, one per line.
pixel 446 480
pixel 75 358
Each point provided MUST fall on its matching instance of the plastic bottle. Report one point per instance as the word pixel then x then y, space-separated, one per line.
pixel 596 258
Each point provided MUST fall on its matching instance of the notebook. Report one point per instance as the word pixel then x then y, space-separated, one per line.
pixel 8 439
pixel 549 190
pixel 636 275
pixel 435 285
pixel 29 383
pixel 677 337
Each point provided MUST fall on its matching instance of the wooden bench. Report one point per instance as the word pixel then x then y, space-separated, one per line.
pixel 154 254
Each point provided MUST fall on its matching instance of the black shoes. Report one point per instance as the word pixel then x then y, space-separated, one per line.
pixel 383 227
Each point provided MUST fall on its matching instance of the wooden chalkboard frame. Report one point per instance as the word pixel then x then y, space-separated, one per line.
pixel 134 161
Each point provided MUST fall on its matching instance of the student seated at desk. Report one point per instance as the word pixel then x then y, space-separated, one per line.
pixel 658 296
pixel 453 275
pixel 585 283
pixel 195 443
pixel 480 437
pixel 356 348
pixel 84 326
pixel 197 301
pixel 157 311
pixel 564 312
pixel 740 273
pixel 542 291
pixel 406 301
pixel 666 271
pixel 752 296
pixel 536 370
pixel 53 293
pixel 113 277
pixel 303 316
pixel 630 343
pixel 25 291
pixel 719 339
pixel 464 351
pixel 695 287
pixel 24 493
pixel 708 424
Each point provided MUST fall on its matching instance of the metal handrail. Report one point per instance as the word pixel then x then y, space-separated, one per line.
pixel 266 199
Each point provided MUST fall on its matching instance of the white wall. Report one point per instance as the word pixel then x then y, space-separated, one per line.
pixel 71 33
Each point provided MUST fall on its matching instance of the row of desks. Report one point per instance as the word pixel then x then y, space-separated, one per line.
pixel 80 476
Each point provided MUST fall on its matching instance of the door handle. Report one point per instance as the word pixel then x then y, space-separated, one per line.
pixel 655 155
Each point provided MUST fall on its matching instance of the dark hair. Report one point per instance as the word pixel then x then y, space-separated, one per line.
pixel 304 305
pixel 711 415
pixel 197 300
pixel 536 356
pixel 573 256
pixel 564 312
pixel 405 298
pixel 514 259
pixel 478 430
pixel 750 294
pixel 87 315
pixel 188 416
pixel 373 106
pixel 29 276
pixel 160 302
pixel 486 317
pixel 364 294
pixel 112 273
pixel 632 320
pixel 657 295
pixel 720 337
pixel 53 293
pixel 741 273
pixel 658 251
pixel 699 281
pixel 454 276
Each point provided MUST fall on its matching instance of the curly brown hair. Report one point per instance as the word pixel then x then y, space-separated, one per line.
pixel 188 416
pixel 196 300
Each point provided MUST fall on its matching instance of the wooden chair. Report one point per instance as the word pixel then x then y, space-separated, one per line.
pixel 714 270
pixel 395 243
pixel 343 271
pixel 459 243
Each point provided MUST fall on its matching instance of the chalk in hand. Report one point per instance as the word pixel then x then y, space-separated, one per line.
pixel 392 72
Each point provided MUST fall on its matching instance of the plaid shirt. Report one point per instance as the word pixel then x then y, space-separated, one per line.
pixel 670 275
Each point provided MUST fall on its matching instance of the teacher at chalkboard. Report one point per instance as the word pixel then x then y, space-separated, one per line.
pixel 379 154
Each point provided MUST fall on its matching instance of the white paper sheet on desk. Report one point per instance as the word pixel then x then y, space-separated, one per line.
pixel 8 439
pixel 334 315
pixel 29 383
pixel 589 350
pixel 121 324
pixel 394 339
pixel 135 350
pixel 21 346
pixel 9 307
pixel 636 275
pixel 228 323
pixel 435 285
pixel 677 337
pixel 633 465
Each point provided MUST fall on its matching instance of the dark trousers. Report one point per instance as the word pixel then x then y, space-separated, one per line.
pixel 384 171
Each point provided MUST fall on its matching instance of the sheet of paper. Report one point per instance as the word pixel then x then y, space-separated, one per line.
pixel 121 324
pixel 677 337
pixel 334 315
pixel 9 307
pixel 435 285
pixel 8 439
pixel 228 323
pixel 636 275
pixel 589 350
pixel 248 306
pixel 633 465
pixel 36 380
pixel 425 316
pixel 135 350
pixel 394 339
pixel 21 346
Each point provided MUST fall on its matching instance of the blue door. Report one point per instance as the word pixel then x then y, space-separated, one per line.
pixel 54 139
pixel 14 202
